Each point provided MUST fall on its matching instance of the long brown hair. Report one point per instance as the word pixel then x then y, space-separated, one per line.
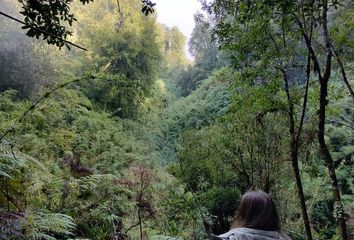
pixel 257 210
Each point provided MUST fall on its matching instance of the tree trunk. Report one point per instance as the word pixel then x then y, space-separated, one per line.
pixel 294 158
pixel 300 191
pixel 338 207
pixel 323 80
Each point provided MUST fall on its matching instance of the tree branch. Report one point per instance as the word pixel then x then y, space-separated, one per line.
pixel 340 123
pixel 43 31
pixel 304 105
pixel 344 75
pixel 308 41
pixel 11 200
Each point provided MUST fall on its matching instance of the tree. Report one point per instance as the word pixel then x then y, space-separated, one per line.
pixel 323 78
pixel 123 53
pixel 239 150
pixel 49 19
pixel 204 48
pixel 173 47
pixel 207 56
pixel 276 30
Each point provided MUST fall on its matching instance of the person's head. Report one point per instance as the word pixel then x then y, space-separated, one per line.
pixel 257 210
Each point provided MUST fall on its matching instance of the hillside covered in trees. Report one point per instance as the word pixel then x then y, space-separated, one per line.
pixel 109 132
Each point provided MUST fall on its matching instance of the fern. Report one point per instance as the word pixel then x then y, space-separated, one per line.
pixel 101 181
pixel 12 162
pixel 160 237
pixel 39 225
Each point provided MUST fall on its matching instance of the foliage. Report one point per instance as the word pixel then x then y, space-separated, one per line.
pixel 127 51
pixel 227 157
pixel 42 226
pixel 207 57
pixel 273 50
pixel 49 19
pixel 173 47
pixel 144 145
pixel 75 144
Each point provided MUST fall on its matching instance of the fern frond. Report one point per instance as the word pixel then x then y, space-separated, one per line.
pixel 160 237
pixel 39 225
pixel 11 161
pixel 4 174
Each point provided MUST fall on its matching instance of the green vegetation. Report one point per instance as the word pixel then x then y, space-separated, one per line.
pixel 130 140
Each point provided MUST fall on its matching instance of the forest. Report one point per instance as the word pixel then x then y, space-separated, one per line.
pixel 108 131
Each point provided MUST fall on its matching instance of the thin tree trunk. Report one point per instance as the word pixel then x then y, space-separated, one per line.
pixel 294 139
pixel 140 224
pixel 300 191
pixel 338 207
pixel 323 80
pixel 294 158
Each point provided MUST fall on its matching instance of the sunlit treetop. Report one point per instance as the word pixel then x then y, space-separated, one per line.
pixel 50 19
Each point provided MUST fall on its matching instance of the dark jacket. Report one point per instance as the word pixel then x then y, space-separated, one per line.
pixel 252 234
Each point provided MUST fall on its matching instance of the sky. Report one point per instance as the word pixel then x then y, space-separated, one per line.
pixel 178 13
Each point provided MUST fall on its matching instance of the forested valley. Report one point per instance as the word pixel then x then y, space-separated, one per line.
pixel 129 139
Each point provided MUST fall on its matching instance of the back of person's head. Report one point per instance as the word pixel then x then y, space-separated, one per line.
pixel 257 210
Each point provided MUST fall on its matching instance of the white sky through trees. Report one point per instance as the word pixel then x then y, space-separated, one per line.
pixel 178 13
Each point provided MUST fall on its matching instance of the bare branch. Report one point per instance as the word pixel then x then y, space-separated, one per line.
pixel 344 75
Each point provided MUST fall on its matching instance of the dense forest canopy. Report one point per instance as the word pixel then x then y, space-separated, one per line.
pixel 129 139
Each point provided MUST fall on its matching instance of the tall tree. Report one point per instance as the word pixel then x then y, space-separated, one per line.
pixel 123 51
pixel 173 47
pixel 205 51
pixel 323 76
pixel 204 47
